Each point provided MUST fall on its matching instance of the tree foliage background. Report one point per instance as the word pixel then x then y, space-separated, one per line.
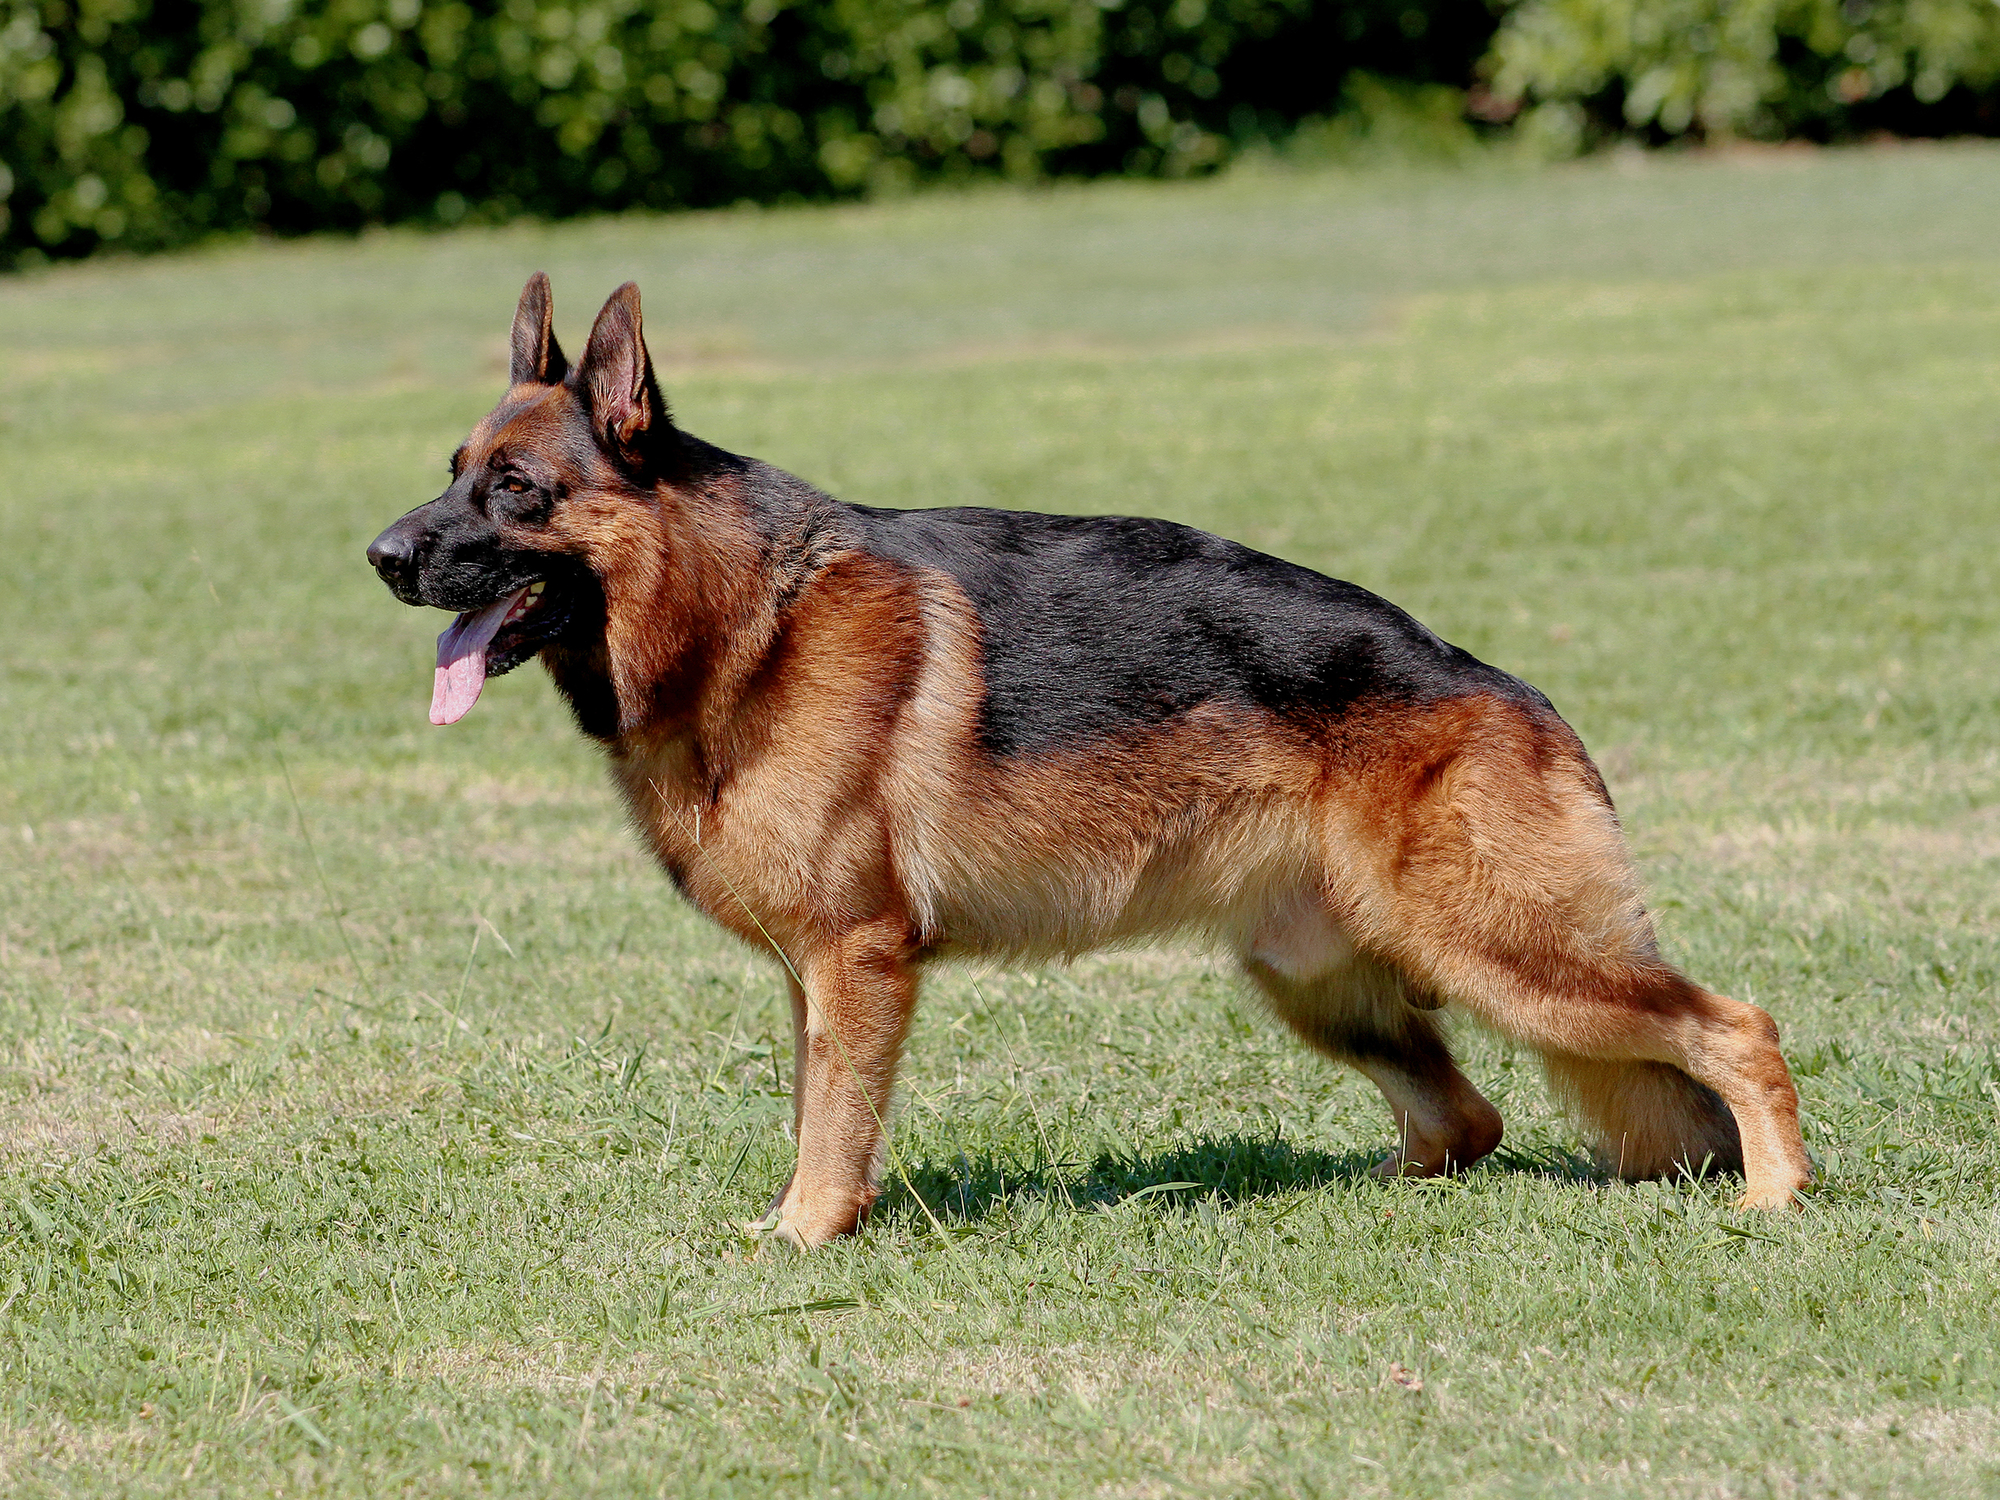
pixel 1769 69
pixel 146 123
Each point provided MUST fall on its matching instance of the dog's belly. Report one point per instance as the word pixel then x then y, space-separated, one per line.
pixel 1299 941
pixel 1246 879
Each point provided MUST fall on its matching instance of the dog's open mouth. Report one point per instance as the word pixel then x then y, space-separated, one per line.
pixel 483 643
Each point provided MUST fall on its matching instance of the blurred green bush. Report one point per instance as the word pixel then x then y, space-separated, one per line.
pixel 145 123
pixel 1765 69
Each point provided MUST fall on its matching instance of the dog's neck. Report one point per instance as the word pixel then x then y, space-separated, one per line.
pixel 692 611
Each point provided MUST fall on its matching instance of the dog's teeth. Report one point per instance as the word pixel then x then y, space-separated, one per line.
pixel 535 590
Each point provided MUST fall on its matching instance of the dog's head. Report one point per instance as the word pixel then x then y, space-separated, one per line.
pixel 537 492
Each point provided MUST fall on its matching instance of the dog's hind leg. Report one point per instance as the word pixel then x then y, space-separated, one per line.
pixel 1671 1075
pixel 1488 864
pixel 1361 1014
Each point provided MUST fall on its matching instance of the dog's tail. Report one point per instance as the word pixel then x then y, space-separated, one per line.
pixel 1651 1119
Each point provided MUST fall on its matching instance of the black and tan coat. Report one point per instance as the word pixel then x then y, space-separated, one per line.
pixel 871 738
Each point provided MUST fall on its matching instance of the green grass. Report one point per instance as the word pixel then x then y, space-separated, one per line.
pixel 444 1197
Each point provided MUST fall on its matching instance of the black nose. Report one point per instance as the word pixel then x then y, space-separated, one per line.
pixel 393 554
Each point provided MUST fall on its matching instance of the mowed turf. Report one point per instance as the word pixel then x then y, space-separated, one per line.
pixel 374 1120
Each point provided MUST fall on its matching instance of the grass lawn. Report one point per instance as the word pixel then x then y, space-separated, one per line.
pixel 373 1120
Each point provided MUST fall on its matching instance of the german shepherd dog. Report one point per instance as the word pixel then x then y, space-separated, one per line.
pixel 866 739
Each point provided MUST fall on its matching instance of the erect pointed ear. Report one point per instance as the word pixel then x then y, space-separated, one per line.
pixel 615 379
pixel 538 359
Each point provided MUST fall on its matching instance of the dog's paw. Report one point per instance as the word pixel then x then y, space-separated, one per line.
pixel 776 1235
pixel 1410 1164
pixel 1772 1199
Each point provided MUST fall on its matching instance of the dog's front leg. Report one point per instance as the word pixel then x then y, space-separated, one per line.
pixel 849 1030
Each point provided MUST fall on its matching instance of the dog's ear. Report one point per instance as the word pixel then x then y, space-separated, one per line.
pixel 615 379
pixel 538 358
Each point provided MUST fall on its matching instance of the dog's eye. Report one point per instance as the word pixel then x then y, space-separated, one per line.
pixel 517 501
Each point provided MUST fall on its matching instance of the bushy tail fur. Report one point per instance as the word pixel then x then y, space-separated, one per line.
pixel 1651 1119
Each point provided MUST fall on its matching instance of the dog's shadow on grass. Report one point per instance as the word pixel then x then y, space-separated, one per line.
pixel 1236 1169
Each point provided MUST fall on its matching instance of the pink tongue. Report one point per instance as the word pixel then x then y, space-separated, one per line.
pixel 461 665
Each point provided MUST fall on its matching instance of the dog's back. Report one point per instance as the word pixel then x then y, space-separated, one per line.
pixel 1100 625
